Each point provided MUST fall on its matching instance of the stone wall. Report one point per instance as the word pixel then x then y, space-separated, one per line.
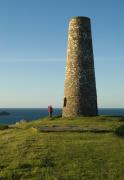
pixel 80 97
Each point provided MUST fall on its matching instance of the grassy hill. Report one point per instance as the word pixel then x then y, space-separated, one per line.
pixel 28 153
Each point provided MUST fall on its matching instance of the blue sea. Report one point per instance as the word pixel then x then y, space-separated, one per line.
pixel 35 113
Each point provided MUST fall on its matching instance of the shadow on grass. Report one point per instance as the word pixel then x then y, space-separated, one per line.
pixel 55 117
pixel 121 119
pixel 3 127
pixel 119 131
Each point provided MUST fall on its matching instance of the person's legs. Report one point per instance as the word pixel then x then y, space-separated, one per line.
pixel 50 114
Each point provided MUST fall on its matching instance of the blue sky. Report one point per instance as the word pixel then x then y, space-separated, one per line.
pixel 33 43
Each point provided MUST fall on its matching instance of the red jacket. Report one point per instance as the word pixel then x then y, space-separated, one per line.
pixel 49 109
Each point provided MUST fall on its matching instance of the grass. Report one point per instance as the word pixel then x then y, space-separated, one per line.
pixel 29 154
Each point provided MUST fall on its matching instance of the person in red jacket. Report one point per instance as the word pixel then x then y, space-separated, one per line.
pixel 50 110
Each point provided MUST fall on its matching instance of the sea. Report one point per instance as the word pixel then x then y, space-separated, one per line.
pixel 30 114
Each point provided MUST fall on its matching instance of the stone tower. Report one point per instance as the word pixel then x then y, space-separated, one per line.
pixel 80 98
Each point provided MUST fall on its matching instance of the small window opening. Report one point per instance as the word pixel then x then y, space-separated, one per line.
pixel 65 102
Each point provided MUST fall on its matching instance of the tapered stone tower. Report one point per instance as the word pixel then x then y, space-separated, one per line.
pixel 80 98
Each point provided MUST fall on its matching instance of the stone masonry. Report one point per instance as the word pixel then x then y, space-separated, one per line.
pixel 80 98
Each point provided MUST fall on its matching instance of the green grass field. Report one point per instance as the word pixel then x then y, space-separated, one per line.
pixel 26 153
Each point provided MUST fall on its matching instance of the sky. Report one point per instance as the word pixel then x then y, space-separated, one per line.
pixel 33 45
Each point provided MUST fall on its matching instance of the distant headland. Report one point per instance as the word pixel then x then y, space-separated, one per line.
pixel 4 113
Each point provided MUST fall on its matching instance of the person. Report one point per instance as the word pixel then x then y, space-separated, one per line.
pixel 50 110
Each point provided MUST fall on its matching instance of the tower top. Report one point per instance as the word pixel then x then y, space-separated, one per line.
pixel 80 18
